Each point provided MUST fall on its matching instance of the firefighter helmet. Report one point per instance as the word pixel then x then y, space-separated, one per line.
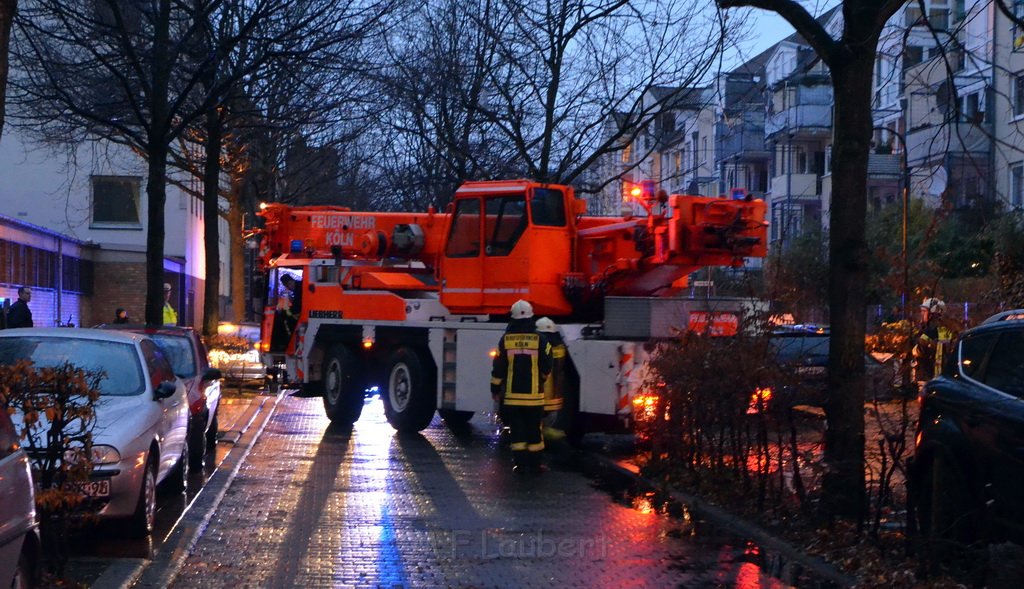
pixel 522 310
pixel 933 305
pixel 546 325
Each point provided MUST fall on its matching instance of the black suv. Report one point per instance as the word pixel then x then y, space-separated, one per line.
pixel 967 473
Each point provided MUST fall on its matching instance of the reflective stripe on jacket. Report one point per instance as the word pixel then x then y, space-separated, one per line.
pixel 521 365
pixel 554 386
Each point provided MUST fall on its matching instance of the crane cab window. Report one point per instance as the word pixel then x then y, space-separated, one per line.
pixel 547 208
pixel 464 235
pixel 505 221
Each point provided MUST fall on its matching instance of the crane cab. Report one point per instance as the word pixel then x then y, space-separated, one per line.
pixel 508 241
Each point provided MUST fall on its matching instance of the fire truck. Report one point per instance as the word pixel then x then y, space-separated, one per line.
pixel 415 303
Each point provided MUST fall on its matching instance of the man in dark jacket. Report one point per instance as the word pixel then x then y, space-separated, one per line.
pixel 20 315
pixel 518 373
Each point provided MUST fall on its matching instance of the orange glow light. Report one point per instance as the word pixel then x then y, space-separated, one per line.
pixel 759 401
pixel 493 353
pixel 367 343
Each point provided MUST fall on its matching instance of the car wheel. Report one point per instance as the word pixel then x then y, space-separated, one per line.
pixel 409 400
pixel 25 576
pixel 211 433
pixel 178 481
pixel 342 402
pixel 197 441
pixel 144 518
pixel 455 418
pixel 946 515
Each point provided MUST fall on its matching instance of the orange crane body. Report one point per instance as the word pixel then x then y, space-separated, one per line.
pixel 364 274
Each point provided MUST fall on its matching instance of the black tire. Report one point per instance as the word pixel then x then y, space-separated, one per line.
pixel 26 575
pixel 342 402
pixel 946 516
pixel 197 441
pixel 144 518
pixel 177 482
pixel 410 392
pixel 455 418
pixel 211 432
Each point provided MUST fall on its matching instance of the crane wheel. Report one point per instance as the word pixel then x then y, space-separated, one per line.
pixel 410 397
pixel 342 402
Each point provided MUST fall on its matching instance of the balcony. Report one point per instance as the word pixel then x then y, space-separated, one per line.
pixel 744 138
pixel 930 144
pixel 803 117
pixel 803 186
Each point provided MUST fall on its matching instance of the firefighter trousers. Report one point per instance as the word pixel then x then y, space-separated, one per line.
pixel 524 427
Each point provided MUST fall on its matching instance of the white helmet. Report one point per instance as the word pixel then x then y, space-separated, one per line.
pixel 522 310
pixel 546 325
pixel 933 305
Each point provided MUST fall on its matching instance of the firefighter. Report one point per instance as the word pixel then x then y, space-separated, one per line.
pixel 934 340
pixel 554 386
pixel 518 372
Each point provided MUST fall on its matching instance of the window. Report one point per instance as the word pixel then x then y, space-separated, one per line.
pixel 504 223
pixel 1018 32
pixel 547 208
pixel 159 368
pixel 1016 185
pixel 972 353
pixel 1005 371
pixel 115 200
pixel 464 237
pixel 1018 95
pixel 627 154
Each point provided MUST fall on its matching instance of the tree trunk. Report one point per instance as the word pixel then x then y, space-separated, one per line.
pixel 156 193
pixel 156 151
pixel 843 482
pixel 8 8
pixel 211 223
pixel 236 244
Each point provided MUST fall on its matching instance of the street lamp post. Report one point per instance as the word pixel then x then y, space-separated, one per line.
pixel 905 198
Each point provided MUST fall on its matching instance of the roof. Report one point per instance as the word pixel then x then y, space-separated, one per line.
pixel 73 333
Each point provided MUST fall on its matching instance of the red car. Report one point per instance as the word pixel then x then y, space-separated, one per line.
pixel 191 364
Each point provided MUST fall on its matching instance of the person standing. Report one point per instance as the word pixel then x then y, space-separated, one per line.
pixel 19 314
pixel 170 315
pixel 554 385
pixel 933 341
pixel 518 372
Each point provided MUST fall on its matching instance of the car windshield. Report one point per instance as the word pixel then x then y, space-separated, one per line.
pixel 179 351
pixel 117 361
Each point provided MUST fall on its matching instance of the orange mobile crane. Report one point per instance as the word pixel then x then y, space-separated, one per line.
pixel 415 302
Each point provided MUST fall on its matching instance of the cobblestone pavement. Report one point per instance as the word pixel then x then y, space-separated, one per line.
pixel 317 507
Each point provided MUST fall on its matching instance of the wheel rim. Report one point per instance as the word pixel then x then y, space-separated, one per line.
pixel 399 387
pixel 149 489
pixel 332 382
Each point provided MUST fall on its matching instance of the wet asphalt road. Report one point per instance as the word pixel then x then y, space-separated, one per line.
pixel 318 506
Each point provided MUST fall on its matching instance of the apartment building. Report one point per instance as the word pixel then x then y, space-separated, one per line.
pixel 85 207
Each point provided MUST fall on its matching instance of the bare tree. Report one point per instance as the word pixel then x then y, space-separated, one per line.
pixel 8 8
pixel 501 88
pixel 850 57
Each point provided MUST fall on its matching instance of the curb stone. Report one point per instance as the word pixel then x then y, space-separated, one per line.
pixel 724 519
pixel 161 570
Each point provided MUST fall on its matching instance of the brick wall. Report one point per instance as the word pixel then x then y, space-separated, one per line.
pixel 118 284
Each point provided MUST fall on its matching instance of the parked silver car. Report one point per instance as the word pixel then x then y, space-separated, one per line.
pixel 142 415
pixel 238 365
pixel 19 536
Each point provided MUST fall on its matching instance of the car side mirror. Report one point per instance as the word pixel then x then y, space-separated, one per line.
pixel 164 390
pixel 212 374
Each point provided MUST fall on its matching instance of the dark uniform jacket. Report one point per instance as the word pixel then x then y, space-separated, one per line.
pixel 554 386
pixel 19 315
pixel 521 366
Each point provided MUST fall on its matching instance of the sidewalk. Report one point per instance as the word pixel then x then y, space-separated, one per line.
pixel 242 418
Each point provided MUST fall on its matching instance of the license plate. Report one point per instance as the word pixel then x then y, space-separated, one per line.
pixel 811 370
pixel 98 488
